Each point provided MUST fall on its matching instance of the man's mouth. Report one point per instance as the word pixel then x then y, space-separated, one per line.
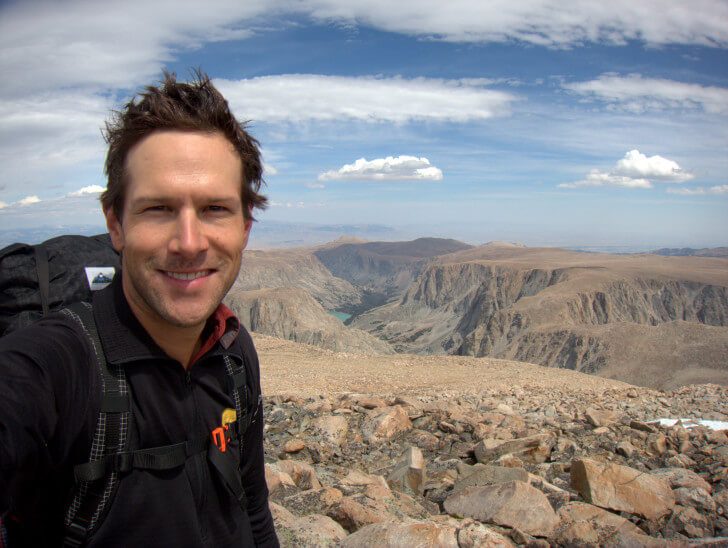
pixel 187 276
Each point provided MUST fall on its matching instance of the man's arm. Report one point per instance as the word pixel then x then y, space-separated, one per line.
pixel 253 465
pixel 44 396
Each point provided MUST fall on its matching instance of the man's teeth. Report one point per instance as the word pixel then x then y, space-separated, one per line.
pixel 187 275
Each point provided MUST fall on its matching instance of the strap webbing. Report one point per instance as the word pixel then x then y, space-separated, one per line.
pixel 110 437
pixel 166 457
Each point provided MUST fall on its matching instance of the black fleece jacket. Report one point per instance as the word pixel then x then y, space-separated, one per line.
pixel 49 400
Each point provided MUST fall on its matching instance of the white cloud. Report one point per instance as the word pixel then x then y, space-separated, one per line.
pixel 635 164
pixel 401 168
pixel 635 93
pixel 3 204
pixel 635 170
pixel 90 190
pixel 541 22
pixel 302 97
pixel 44 41
pixel 269 169
pixel 288 205
pixel 698 191
pixel 596 178
pixel 315 185
pixel 28 200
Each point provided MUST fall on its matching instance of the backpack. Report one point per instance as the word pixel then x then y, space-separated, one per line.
pixel 37 279
pixel 60 275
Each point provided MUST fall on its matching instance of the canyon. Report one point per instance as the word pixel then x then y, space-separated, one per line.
pixel 650 320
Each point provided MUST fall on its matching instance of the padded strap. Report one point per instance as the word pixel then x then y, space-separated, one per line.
pixel 43 271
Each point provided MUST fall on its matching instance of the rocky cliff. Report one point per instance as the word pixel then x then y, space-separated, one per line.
pixel 291 313
pixel 576 311
pixel 296 268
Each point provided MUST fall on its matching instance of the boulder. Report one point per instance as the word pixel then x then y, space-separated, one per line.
pixel 581 523
pixel 353 515
pixel 689 522
pixel 302 474
pixel 695 497
pixel 681 477
pixel 532 449
pixel 621 488
pixel 409 475
pixel 311 531
pixel 598 417
pixel 481 475
pixel 383 424
pixel 393 534
pixel 313 500
pixel 510 504
pixel 473 534
pixel 332 429
pixel 294 445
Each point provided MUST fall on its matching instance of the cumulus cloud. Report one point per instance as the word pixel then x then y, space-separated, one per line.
pixel 635 170
pixel 302 97
pixel 635 164
pixel 90 190
pixel 635 93
pixel 699 191
pixel 401 168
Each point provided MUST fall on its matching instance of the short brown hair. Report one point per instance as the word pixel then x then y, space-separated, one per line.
pixel 183 106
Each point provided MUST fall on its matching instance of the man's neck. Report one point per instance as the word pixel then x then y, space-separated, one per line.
pixel 180 343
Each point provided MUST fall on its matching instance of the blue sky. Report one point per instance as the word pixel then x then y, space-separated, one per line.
pixel 550 123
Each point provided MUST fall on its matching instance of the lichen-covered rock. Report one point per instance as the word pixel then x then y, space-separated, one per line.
pixel 392 534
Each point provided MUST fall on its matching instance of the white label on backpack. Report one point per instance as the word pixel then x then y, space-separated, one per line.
pixel 99 276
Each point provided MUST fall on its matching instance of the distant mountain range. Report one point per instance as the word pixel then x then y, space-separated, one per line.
pixel 689 251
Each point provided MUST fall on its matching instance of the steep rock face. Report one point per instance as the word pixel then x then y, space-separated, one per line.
pixel 575 317
pixel 651 302
pixel 296 268
pixel 291 313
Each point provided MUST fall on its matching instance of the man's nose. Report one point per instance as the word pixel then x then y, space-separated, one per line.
pixel 190 239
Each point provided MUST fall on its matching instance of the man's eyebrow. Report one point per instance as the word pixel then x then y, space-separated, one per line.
pixel 141 200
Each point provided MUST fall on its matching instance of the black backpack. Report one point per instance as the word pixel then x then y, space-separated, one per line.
pixel 37 279
pixel 60 274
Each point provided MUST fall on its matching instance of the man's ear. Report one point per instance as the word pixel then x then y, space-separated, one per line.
pixel 246 231
pixel 115 231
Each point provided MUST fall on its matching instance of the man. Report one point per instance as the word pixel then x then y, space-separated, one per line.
pixel 183 179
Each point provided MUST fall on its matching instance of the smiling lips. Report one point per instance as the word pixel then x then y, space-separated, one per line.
pixel 187 276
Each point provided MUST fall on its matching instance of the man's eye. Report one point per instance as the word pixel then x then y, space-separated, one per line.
pixel 216 209
pixel 156 208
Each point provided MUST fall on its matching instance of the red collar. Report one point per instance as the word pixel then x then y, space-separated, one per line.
pixel 217 326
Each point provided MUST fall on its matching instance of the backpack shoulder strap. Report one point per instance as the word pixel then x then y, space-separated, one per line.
pixel 91 498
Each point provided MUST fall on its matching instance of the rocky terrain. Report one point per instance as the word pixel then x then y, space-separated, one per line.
pixel 647 319
pixel 465 452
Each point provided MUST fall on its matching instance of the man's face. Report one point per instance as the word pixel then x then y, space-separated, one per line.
pixel 182 231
